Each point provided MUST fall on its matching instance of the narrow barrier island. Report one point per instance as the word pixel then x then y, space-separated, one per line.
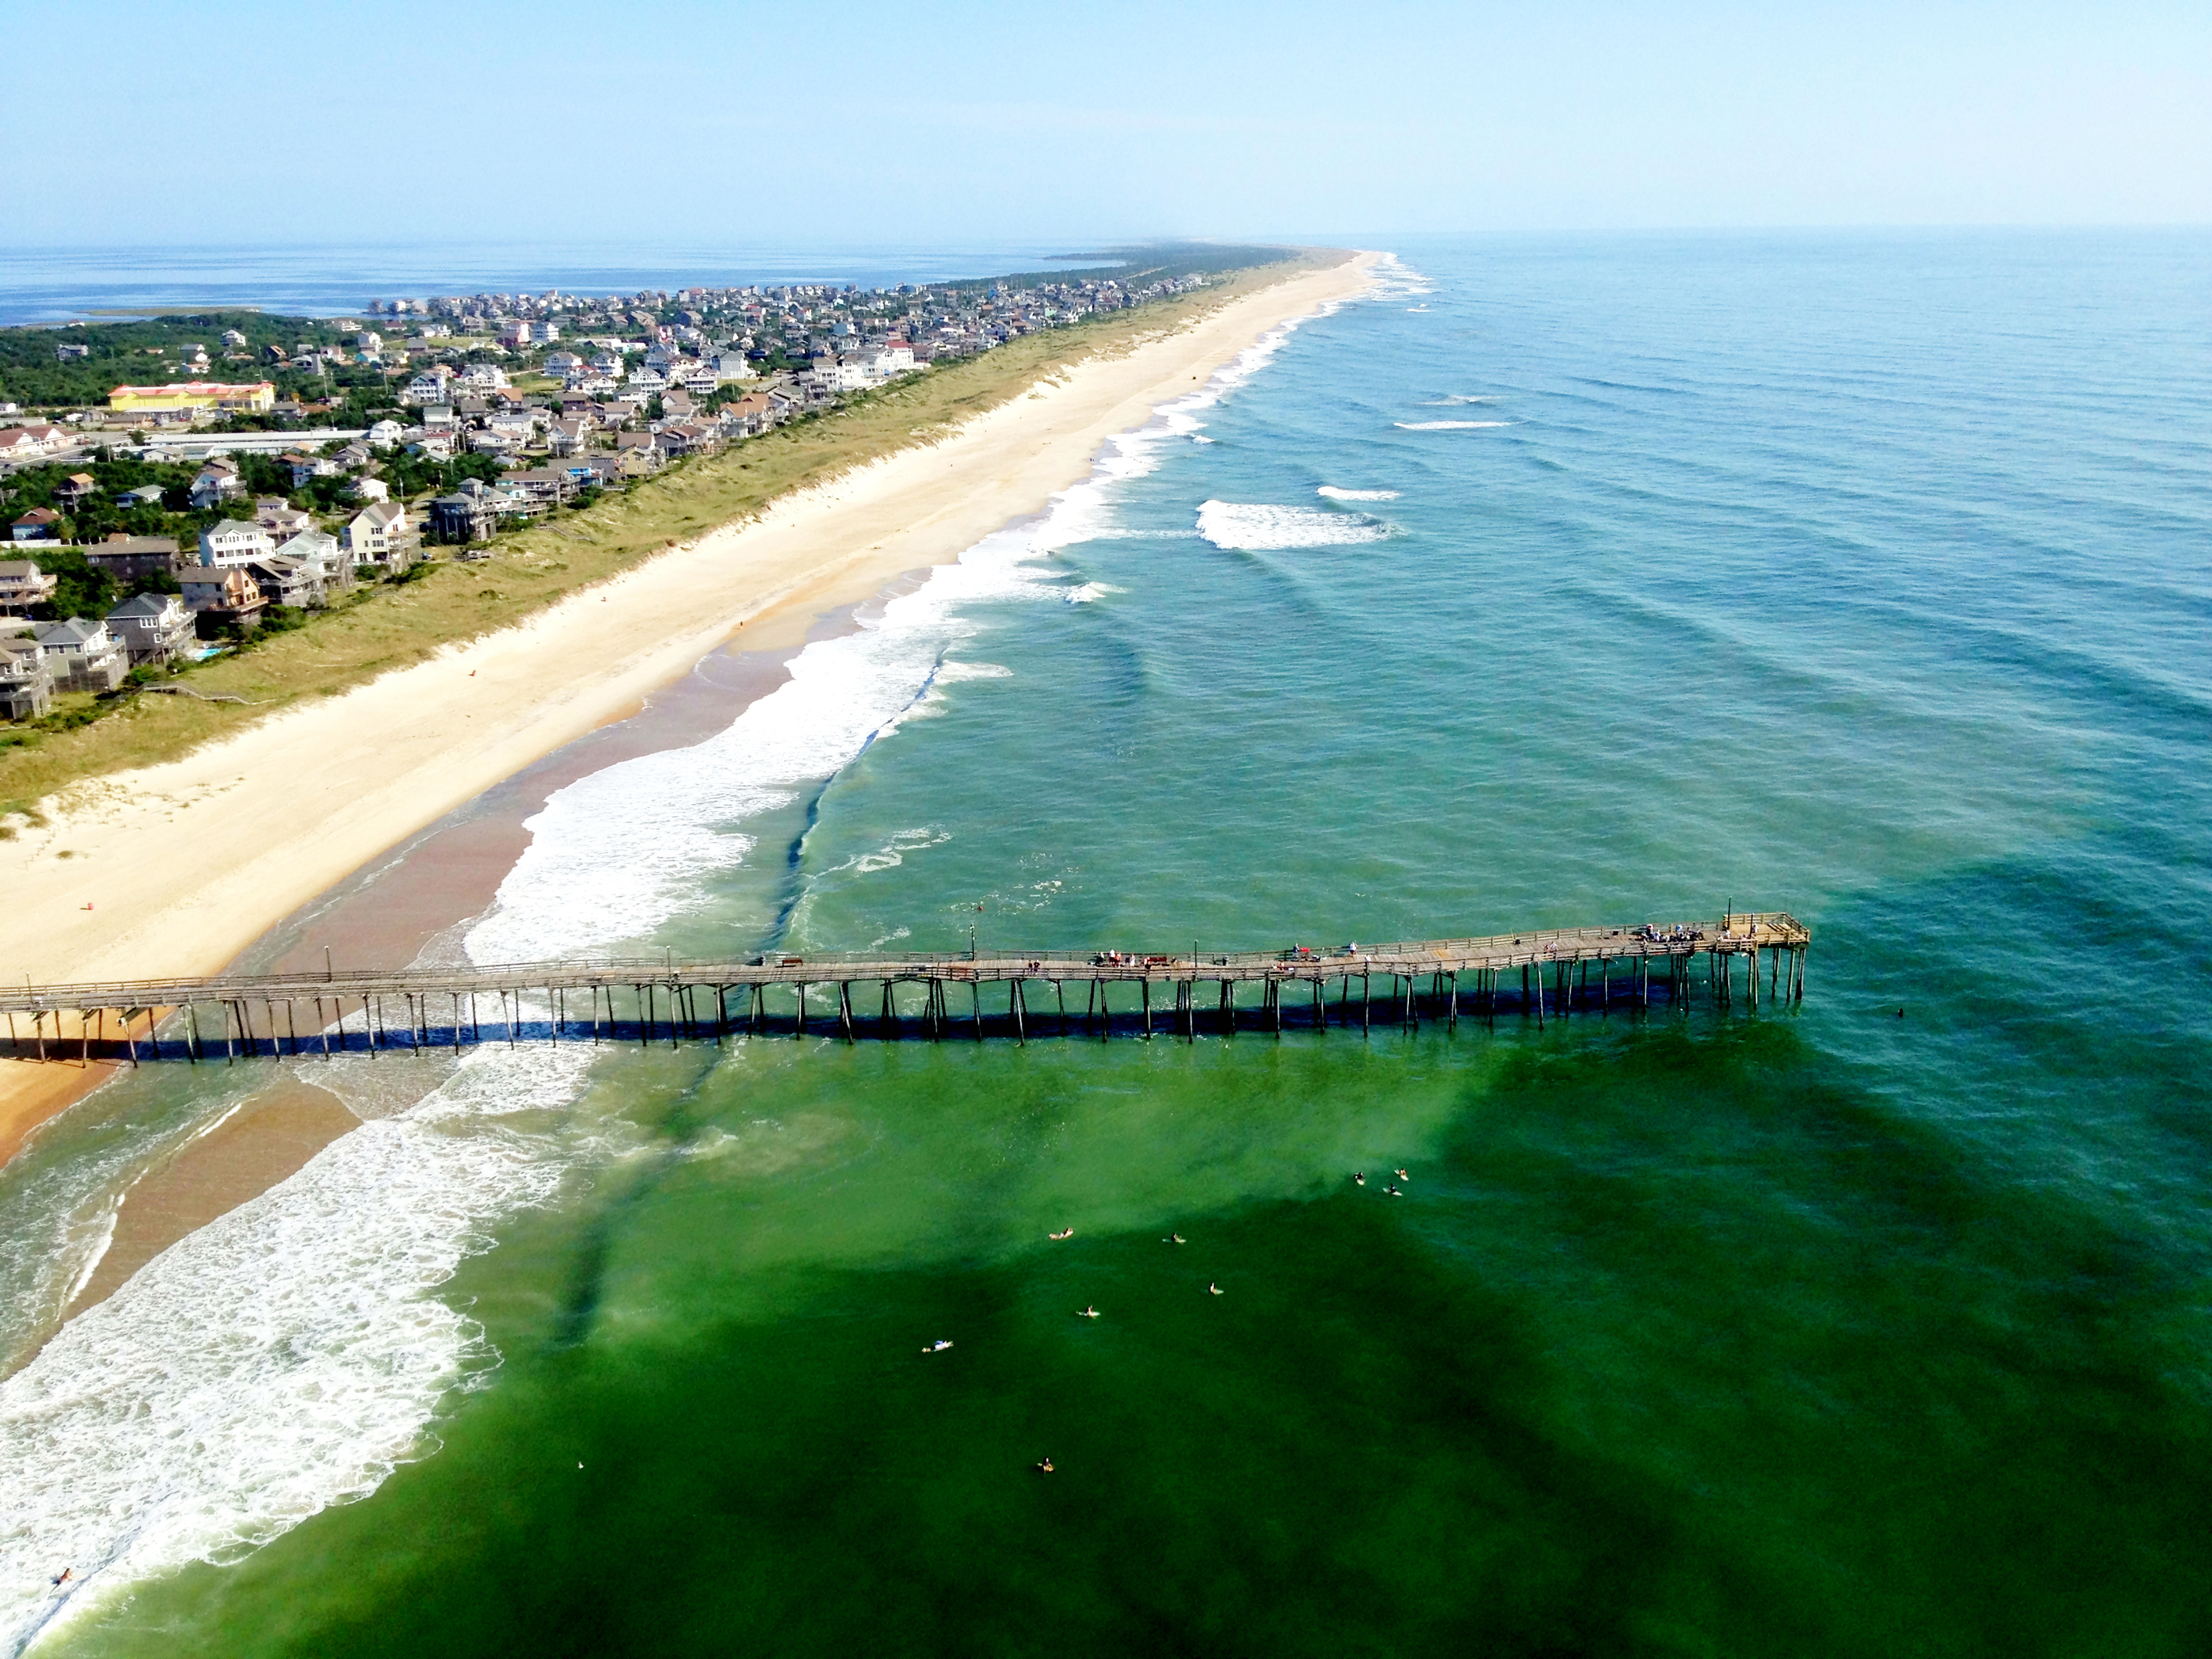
pixel 1542 975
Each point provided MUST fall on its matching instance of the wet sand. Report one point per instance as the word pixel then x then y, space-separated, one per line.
pixel 270 1136
pixel 411 901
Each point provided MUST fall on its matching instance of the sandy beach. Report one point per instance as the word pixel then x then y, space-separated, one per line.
pixel 176 869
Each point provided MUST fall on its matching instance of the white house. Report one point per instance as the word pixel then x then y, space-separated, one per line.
pixel 229 543
pixel 23 584
pixel 24 442
pixel 320 551
pixel 374 533
pixel 217 480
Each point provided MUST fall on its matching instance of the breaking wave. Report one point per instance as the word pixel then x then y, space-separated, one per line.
pixel 1253 528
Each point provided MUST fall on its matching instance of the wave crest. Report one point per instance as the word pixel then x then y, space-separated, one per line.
pixel 1255 528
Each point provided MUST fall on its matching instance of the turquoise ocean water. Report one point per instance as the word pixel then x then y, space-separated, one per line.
pixel 1562 582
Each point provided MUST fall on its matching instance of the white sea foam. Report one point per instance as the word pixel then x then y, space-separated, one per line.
pixel 1445 426
pixel 1336 495
pixel 621 853
pixel 1247 527
pixel 1453 398
pixel 281 1359
pixel 1088 592
pixel 1394 279
pixel 287 1357
pixel 892 853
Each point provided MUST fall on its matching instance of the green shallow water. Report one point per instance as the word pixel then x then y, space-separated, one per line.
pixel 1675 1344
pixel 1863 577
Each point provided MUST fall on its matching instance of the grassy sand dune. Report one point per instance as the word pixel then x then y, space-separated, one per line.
pixel 397 625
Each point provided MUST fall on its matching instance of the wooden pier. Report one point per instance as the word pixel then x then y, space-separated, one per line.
pixel 1545 974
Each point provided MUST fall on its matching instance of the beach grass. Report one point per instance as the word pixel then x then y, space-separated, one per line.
pixel 392 625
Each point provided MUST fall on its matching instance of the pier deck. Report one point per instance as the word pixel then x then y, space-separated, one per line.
pixel 664 998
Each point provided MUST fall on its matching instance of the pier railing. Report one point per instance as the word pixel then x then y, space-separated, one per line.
pixel 669 998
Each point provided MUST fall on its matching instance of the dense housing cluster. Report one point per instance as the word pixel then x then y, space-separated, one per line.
pixel 213 476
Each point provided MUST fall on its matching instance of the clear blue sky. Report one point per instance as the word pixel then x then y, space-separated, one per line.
pixel 851 123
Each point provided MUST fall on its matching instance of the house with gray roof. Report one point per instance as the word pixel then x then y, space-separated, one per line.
pixel 155 628
pixel 27 685
pixel 82 655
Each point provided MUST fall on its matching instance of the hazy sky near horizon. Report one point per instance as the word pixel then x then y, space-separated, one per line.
pixel 132 122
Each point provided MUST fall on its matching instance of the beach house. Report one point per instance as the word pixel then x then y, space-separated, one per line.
pixel 23 584
pixel 132 559
pixel 307 468
pixel 233 542
pixel 27 686
pixel 218 479
pixel 155 628
pixel 471 514
pixel 215 597
pixel 372 535
pixel 82 655
pixel 23 443
pixel 40 523
pixel 294 582
pixel 279 517
pixel 323 553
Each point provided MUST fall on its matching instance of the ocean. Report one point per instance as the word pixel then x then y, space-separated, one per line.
pixel 1562 580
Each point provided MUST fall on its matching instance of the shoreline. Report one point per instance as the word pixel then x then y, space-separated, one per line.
pixel 405 905
pixel 344 781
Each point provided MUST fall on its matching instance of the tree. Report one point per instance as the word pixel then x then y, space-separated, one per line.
pixel 80 590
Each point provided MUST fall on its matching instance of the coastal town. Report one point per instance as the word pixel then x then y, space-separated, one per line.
pixel 169 500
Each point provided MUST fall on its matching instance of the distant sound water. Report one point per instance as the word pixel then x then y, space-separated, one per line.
pixel 1560 580
pixel 55 285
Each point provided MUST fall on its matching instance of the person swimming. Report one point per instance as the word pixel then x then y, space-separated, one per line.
pixel 1174 1239
pixel 938 1346
pixel 1088 1313
pixel 67 1574
pixel 1068 1233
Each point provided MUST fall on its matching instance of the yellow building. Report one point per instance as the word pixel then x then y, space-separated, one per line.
pixel 257 398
